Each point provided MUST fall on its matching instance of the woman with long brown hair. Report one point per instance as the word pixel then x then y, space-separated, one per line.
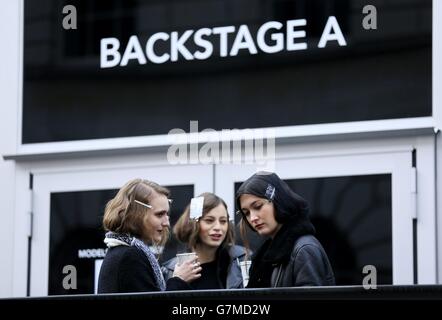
pixel 210 235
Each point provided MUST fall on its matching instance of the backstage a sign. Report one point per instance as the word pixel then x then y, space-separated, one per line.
pixel 146 67
pixel 214 41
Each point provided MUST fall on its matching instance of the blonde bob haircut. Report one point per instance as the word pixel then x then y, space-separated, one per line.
pixel 124 215
pixel 187 230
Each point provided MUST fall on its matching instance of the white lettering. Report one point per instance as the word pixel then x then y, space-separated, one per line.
pixel 332 24
pixel 223 31
pixel 162 47
pixel 133 51
pixel 243 40
pixel 177 45
pixel 91 253
pixel 107 51
pixel 150 52
pixel 199 41
pixel 291 35
pixel 184 310
pixel 277 37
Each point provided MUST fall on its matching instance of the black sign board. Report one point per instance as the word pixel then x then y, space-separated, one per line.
pixel 135 68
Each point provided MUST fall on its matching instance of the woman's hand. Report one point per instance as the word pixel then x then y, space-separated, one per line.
pixel 188 271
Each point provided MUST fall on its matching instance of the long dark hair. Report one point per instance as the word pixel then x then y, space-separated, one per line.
pixel 289 206
pixel 269 186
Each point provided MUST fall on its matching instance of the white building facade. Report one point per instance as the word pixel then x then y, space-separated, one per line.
pixel 356 126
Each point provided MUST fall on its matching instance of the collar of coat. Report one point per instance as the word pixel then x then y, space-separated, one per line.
pixel 279 249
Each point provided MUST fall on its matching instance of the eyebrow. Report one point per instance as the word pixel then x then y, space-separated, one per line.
pixel 251 204
pixel 212 217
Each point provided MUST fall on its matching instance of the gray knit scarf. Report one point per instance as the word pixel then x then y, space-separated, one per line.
pixel 140 245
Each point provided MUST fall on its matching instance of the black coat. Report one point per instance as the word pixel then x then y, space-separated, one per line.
pixel 293 258
pixel 127 269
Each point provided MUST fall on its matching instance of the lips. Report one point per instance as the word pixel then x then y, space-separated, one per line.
pixel 216 237
pixel 259 226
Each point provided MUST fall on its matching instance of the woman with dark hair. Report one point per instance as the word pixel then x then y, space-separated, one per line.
pixel 210 235
pixel 136 219
pixel 291 256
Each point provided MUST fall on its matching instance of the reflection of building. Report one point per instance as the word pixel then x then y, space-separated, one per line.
pixel 354 128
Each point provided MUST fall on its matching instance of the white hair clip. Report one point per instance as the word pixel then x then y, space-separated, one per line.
pixel 144 204
pixel 196 208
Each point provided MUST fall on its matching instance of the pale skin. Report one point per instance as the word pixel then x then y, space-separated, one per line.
pixel 260 213
pixel 213 230
pixel 156 222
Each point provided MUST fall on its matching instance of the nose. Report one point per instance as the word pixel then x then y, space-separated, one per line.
pixel 253 216
pixel 217 225
pixel 166 221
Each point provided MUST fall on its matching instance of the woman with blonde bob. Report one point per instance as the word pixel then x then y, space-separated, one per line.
pixel 134 220
pixel 211 237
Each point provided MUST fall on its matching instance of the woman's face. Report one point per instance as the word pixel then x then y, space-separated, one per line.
pixel 214 226
pixel 156 221
pixel 260 213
